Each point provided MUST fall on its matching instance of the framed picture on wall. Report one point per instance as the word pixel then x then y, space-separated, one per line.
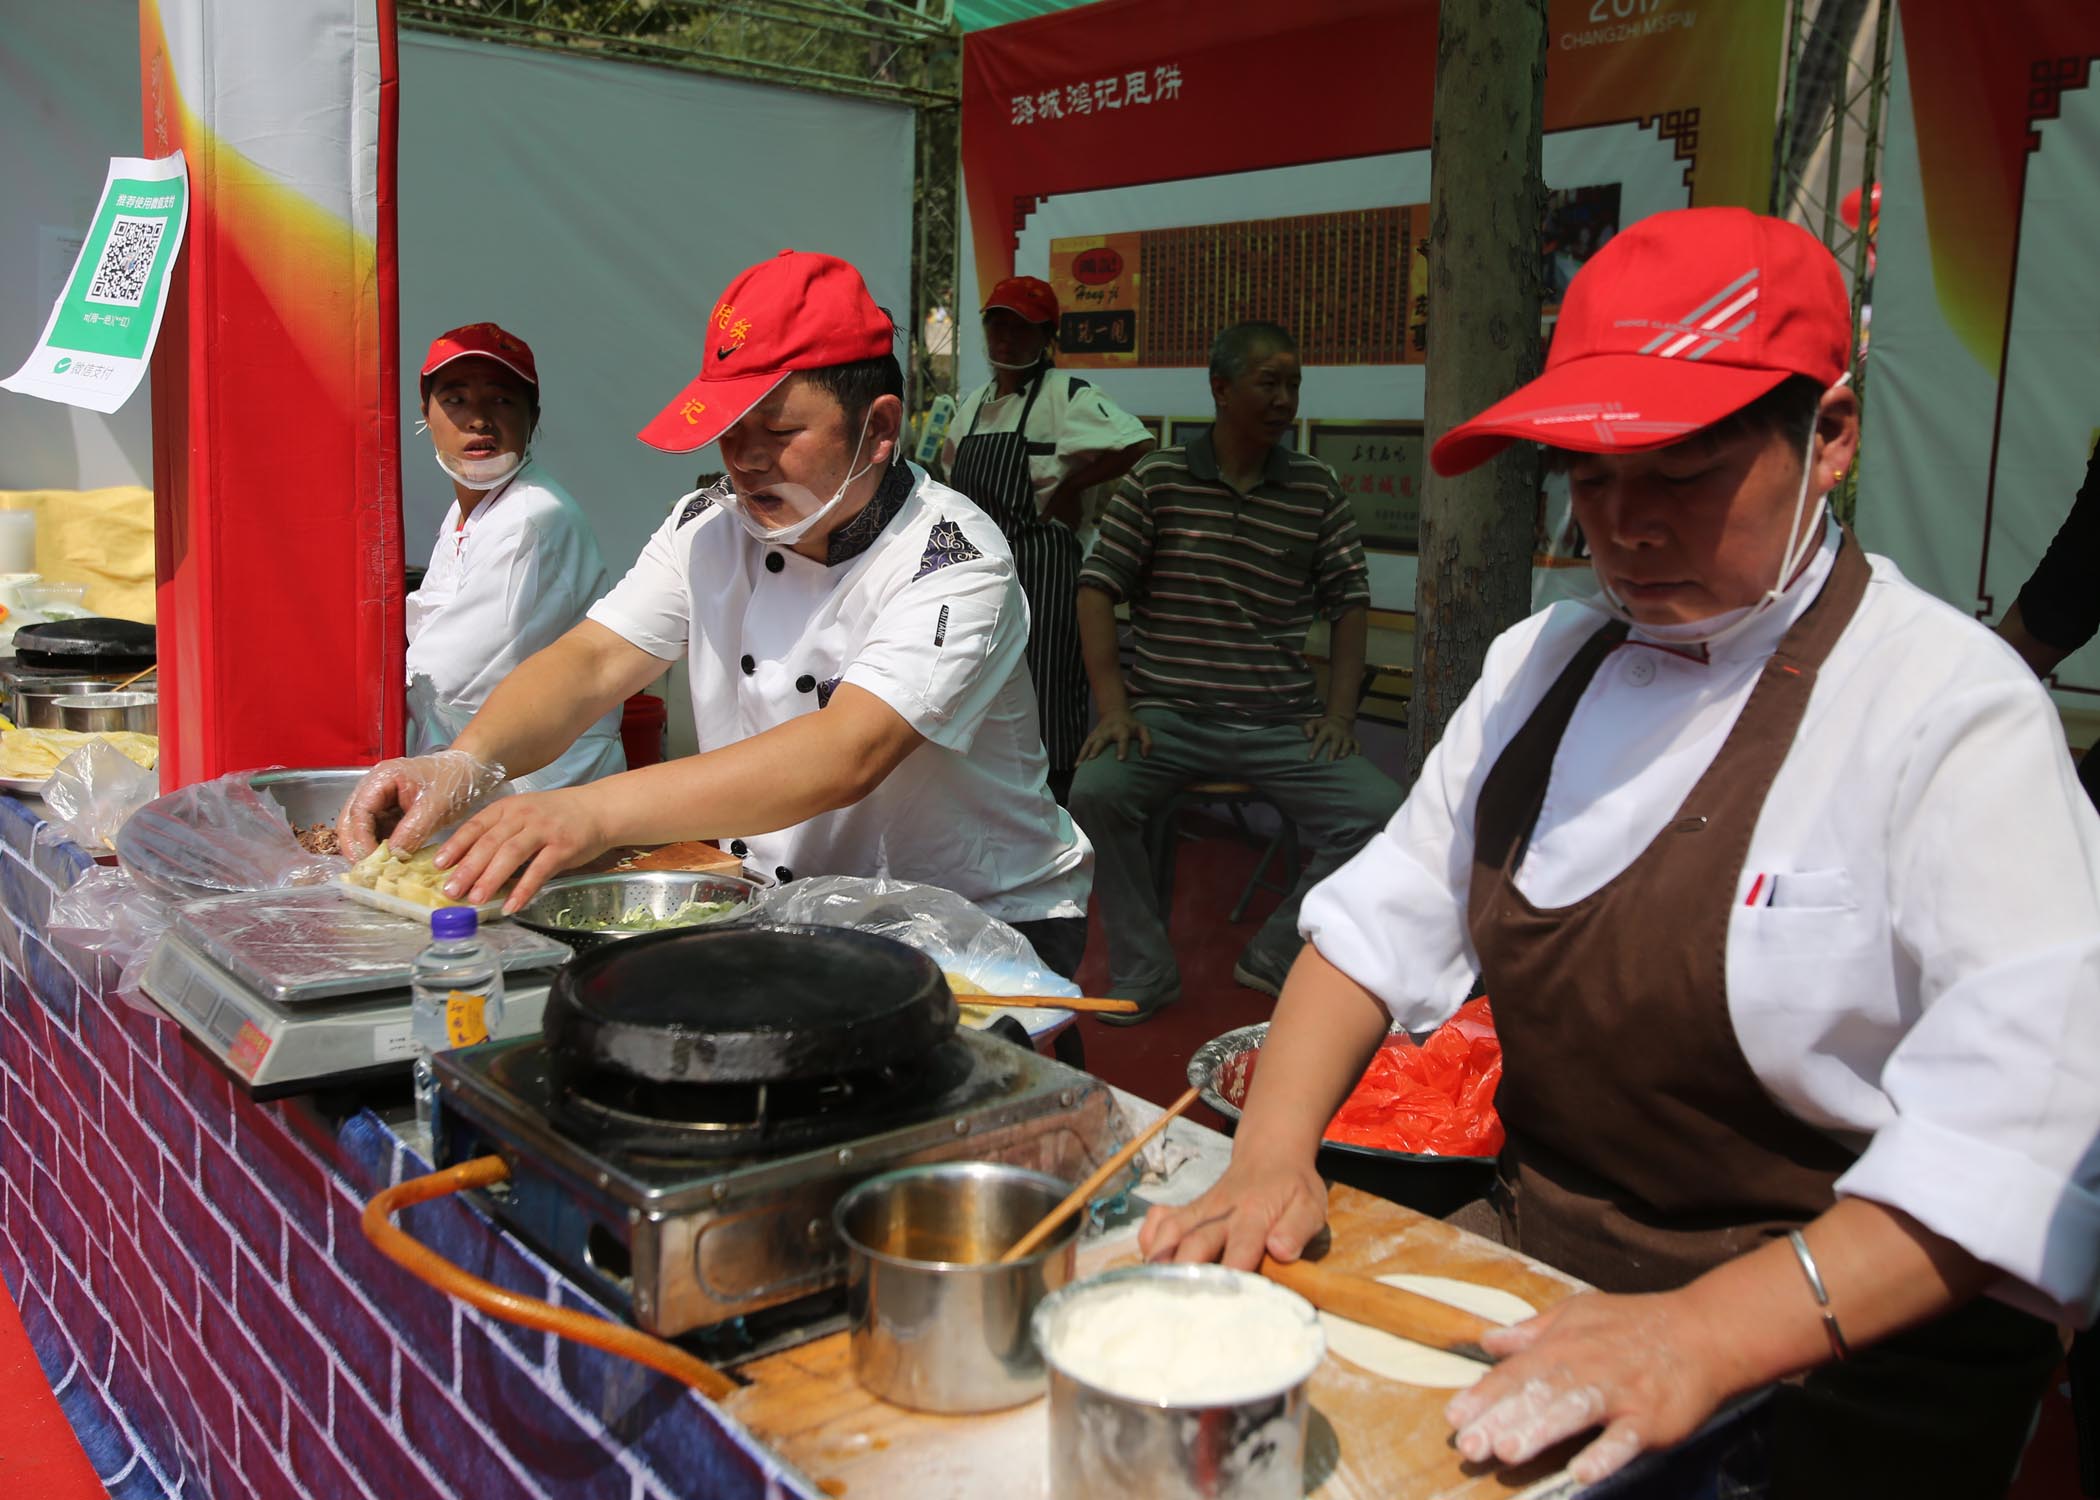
pixel 1181 429
pixel 1380 466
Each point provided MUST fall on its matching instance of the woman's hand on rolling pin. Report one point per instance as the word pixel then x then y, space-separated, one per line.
pixel 537 835
pixel 1261 1206
pixel 1641 1368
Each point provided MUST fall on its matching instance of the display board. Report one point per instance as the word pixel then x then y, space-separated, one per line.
pixel 73 106
pixel 1983 371
pixel 609 204
pixel 1114 151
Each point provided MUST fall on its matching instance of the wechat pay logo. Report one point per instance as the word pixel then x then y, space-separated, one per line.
pixel 62 366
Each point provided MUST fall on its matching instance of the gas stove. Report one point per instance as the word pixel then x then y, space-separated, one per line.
pixel 708 1211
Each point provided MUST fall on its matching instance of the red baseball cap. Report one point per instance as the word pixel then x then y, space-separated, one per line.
pixel 487 340
pixel 1026 295
pixel 1680 320
pixel 797 311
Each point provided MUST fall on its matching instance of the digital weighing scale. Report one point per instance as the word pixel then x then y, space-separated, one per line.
pixel 296 989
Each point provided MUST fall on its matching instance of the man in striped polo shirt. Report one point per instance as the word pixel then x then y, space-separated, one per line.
pixel 1224 549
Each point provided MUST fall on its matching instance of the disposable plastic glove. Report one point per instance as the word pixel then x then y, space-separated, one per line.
pixel 429 792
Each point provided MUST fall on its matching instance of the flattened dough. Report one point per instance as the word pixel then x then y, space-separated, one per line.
pixel 1411 1363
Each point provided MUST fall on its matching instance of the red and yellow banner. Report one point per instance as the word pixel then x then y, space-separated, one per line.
pixel 1128 92
pixel 276 469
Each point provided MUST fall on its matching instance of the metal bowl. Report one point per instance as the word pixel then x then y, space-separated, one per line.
pixel 161 846
pixel 33 701
pixel 98 713
pixel 583 910
pixel 1433 1185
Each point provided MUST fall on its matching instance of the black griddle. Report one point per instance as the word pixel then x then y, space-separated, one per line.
pixel 735 1005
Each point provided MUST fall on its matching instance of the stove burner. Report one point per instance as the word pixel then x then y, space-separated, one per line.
pixel 616 1111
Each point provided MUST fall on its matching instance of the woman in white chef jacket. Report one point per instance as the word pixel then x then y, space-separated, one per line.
pixel 1779 878
pixel 515 565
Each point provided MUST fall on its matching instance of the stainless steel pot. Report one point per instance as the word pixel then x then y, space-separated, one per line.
pixel 1105 1444
pixel 96 713
pixel 33 704
pixel 937 1323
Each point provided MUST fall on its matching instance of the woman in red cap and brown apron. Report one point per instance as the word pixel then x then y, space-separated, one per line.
pixel 1033 441
pixel 1779 878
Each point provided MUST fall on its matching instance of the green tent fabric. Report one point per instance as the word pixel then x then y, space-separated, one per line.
pixel 978 15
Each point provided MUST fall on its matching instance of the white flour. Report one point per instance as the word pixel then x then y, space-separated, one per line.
pixel 1188 1344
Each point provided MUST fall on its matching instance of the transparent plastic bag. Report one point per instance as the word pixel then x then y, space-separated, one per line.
pixel 953 931
pixel 216 837
pixel 91 795
pixel 108 914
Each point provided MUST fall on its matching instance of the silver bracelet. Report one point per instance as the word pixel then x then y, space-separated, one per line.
pixel 1838 1345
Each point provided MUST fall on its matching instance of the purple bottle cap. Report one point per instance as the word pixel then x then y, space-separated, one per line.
pixel 448 924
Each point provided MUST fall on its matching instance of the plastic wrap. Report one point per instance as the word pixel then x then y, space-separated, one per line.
pixel 311 944
pixel 92 794
pixel 953 931
pixel 109 915
pixel 1436 1099
pixel 218 837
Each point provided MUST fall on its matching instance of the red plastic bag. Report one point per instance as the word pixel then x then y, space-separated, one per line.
pixel 1436 1099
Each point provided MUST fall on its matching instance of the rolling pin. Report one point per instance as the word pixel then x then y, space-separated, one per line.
pixel 1390 1309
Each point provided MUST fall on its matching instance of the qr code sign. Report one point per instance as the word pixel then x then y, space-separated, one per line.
pixel 127 259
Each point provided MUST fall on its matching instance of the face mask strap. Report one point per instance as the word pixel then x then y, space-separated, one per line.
pixel 794 531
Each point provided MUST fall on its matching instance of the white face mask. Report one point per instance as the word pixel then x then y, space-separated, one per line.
pixel 1800 541
pixel 1000 364
pixel 482 473
pixel 799 499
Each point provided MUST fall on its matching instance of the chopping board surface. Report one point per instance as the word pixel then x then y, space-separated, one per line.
pixel 1368 1437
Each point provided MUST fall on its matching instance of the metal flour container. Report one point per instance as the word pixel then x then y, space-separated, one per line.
pixel 1102 1443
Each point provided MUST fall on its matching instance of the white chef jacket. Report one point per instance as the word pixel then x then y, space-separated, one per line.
pixel 1913 955
pixel 1067 428
pixel 515 578
pixel 930 620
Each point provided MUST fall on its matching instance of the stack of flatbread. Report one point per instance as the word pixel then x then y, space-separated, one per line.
pixel 33 754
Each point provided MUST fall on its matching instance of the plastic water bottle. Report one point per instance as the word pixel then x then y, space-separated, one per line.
pixel 457 989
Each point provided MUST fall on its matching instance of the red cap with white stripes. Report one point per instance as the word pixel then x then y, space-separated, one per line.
pixel 1680 320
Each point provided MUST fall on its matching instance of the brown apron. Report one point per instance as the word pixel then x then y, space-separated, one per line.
pixel 1643 1150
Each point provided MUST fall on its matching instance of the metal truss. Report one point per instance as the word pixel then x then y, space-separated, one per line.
pixel 867 49
pixel 1829 141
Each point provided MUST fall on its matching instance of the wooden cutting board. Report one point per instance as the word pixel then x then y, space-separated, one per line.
pixel 1369 1439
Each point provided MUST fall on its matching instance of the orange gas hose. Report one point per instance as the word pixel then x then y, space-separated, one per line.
pixel 427 1265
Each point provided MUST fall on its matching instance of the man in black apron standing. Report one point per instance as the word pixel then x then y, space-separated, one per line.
pixel 1033 441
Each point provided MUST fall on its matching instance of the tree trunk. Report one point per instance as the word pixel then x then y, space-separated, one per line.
pixel 1486 202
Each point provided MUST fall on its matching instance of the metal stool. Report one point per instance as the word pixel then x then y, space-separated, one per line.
pixel 1161 836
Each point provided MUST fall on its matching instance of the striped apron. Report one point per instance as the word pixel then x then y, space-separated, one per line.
pixel 992 469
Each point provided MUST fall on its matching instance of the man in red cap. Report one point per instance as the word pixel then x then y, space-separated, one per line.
pixel 1026 447
pixel 1789 906
pixel 853 636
